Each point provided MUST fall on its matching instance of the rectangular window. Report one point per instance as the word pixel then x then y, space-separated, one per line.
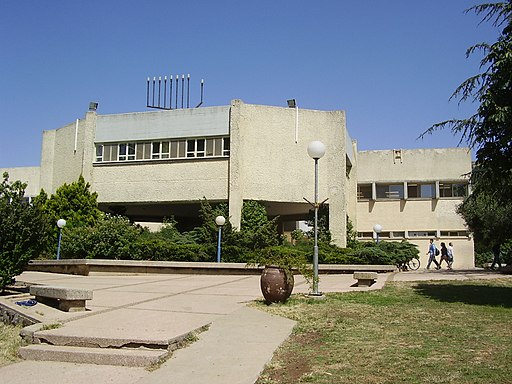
pixel 365 235
pixel 113 152
pixel 139 153
pixel 390 191
pixel 107 152
pixel 191 148
pixel 200 147
pixel 421 190
pixel 422 234
pixel 155 150
pixel 218 147
pixel 209 147
pixel 174 149
pixel 181 148
pixel 99 152
pixel 225 151
pixel 147 151
pixel 364 191
pixel 131 151
pixel 453 189
pixel 165 149
pixel 454 233
pixel 122 152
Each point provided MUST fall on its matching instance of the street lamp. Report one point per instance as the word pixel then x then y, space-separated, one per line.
pixel 316 150
pixel 61 223
pixel 220 221
pixel 377 228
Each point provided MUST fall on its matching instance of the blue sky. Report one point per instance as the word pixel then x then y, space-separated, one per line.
pixel 391 65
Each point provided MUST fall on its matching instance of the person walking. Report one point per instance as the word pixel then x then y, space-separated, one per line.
pixel 444 256
pixel 450 255
pixel 496 250
pixel 432 251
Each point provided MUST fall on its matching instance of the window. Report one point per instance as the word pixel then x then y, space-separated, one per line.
pixel 163 150
pixel 143 151
pixel 421 190
pixel 226 149
pixel 430 234
pixel 155 151
pixel 126 151
pixel 99 153
pixel 453 189
pixel 200 147
pixel 365 235
pixel 454 233
pixel 390 191
pixel 191 148
pixel 364 191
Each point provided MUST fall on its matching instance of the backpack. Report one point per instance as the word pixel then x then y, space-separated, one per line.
pixel 437 252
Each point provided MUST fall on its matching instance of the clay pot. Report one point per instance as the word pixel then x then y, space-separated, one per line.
pixel 276 284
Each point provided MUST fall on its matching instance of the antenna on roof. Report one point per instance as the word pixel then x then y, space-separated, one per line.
pixel 159 95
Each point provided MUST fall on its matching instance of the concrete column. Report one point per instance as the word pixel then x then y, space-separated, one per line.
pixel 235 182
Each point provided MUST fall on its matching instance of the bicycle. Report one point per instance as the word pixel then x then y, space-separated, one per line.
pixel 411 265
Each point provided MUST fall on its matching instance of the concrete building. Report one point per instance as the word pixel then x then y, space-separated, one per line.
pixel 158 164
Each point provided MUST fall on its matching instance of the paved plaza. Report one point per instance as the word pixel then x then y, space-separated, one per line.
pixel 235 340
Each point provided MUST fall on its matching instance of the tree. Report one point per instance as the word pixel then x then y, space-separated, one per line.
pixel 74 203
pixel 489 130
pixel 256 230
pixel 487 218
pixel 23 230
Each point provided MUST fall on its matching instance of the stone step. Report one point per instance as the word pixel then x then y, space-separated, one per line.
pixel 54 337
pixel 136 357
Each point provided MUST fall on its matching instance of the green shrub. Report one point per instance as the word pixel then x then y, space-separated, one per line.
pixel 112 237
pixel 23 230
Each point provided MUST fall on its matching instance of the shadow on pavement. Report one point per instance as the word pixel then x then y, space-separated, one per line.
pixel 476 294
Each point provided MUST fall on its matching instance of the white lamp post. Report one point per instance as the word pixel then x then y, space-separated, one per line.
pixel 377 228
pixel 316 150
pixel 220 221
pixel 61 223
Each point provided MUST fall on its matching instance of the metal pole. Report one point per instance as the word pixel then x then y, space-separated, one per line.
pixel 315 248
pixel 218 244
pixel 58 246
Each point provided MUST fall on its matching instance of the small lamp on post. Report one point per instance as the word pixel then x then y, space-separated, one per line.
pixel 316 150
pixel 377 228
pixel 61 223
pixel 220 221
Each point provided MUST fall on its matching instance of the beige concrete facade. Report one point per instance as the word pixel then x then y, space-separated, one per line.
pixel 264 158
pixel 416 218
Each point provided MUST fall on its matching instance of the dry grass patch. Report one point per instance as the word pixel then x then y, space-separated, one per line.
pixel 10 342
pixel 429 332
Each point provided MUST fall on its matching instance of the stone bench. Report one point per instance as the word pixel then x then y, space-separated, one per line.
pixel 365 279
pixel 65 299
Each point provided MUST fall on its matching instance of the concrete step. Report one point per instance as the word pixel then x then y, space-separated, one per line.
pixel 67 339
pixel 136 357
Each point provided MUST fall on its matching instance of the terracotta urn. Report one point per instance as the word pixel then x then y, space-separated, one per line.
pixel 276 284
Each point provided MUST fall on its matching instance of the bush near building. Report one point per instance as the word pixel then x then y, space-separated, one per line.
pixel 23 230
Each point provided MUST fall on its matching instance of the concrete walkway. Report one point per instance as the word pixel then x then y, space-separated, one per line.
pixel 152 310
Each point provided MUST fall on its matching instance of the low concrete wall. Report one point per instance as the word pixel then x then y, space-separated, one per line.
pixel 87 266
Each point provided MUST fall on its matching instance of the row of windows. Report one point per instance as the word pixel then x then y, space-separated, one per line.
pixel 412 234
pixel 165 149
pixel 407 190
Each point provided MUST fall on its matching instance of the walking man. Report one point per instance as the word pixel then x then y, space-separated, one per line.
pixel 432 251
pixel 450 255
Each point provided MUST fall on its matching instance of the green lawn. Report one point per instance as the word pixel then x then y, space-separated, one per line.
pixel 428 332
